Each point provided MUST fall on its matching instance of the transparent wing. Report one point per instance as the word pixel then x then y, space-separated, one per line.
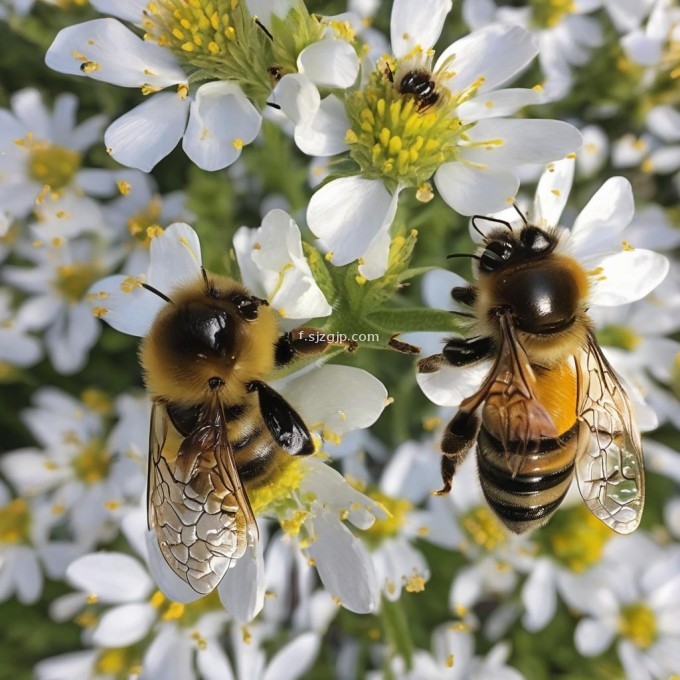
pixel 196 503
pixel 609 464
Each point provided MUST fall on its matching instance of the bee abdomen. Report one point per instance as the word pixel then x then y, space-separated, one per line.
pixel 523 488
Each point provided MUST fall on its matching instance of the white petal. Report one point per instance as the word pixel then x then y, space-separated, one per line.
pixel 469 189
pixel 74 665
pixel 242 588
pixel 329 63
pixel 496 53
pixel 222 121
pixel 552 193
pixel 518 142
pixel 436 288
pixel 627 276
pixel 499 103
pixel 592 637
pixel 29 108
pixel 272 264
pixel 375 260
pixel 128 310
pixel 607 213
pixel 297 96
pixel 169 656
pixel 28 575
pixel 324 133
pixel 344 566
pixel 356 401
pixel 149 132
pixel 416 24
pixel 664 121
pixel 172 586
pixel 112 577
pixel 539 596
pixel 346 214
pixel 642 49
pixel 295 659
pixel 125 625
pixel 122 57
pixel 128 10
pixel 175 258
pixel 213 663
pixel 449 385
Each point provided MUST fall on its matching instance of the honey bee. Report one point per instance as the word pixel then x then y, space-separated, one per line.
pixel 217 429
pixel 551 406
pixel 418 83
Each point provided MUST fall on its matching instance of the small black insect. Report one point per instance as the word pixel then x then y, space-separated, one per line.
pixel 419 83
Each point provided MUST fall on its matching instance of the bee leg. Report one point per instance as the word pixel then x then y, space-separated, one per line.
pixel 459 436
pixel 307 342
pixel 466 295
pixel 464 351
pixel 401 346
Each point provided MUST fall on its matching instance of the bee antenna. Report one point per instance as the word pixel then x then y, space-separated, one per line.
pixel 472 255
pixel 466 314
pixel 155 291
pixel 265 30
pixel 273 105
pixel 209 289
pixel 521 214
pixel 489 219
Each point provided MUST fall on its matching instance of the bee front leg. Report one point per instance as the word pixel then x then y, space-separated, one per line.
pixel 306 341
pixel 465 351
pixel 459 436
pixel 466 295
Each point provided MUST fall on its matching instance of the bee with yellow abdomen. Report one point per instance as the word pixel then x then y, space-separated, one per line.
pixel 217 429
pixel 551 406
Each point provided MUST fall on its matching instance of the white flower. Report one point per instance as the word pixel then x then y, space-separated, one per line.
pixel 565 33
pixel 632 600
pixel 41 155
pixel 25 544
pixel 273 266
pixel 618 271
pixel 140 213
pixel 217 119
pixel 17 348
pixel 57 285
pixel 453 658
pixel 79 472
pixel 460 138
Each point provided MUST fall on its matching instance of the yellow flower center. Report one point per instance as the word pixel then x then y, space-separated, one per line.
pixel 96 400
pixel 397 510
pixel 144 225
pixel 50 164
pixel 276 493
pixel 482 528
pixel 185 615
pixel 74 280
pixel 218 39
pixel 637 623
pixel 623 337
pixel 396 137
pixel 575 537
pixel 119 662
pixel 93 462
pixel 15 522
pixel 549 13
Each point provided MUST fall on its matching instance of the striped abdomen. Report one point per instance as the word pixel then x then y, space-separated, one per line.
pixel 525 485
pixel 525 500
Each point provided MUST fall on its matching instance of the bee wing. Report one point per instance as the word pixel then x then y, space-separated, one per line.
pixel 609 464
pixel 196 503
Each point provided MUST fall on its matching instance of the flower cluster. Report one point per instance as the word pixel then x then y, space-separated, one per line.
pixel 332 156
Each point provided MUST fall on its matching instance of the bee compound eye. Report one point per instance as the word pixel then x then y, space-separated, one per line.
pixel 248 306
pixel 495 255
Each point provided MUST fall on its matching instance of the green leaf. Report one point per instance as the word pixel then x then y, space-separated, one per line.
pixel 415 319
pixel 397 629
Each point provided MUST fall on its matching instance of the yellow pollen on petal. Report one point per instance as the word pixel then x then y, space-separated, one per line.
pixel 626 246
pixel 130 283
pixel 238 143
pixel 414 584
pixel 449 661
pixel 124 187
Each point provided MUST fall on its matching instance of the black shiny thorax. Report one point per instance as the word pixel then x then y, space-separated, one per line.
pixel 421 85
pixel 523 275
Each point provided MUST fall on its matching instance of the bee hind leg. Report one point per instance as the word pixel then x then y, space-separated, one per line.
pixel 459 436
